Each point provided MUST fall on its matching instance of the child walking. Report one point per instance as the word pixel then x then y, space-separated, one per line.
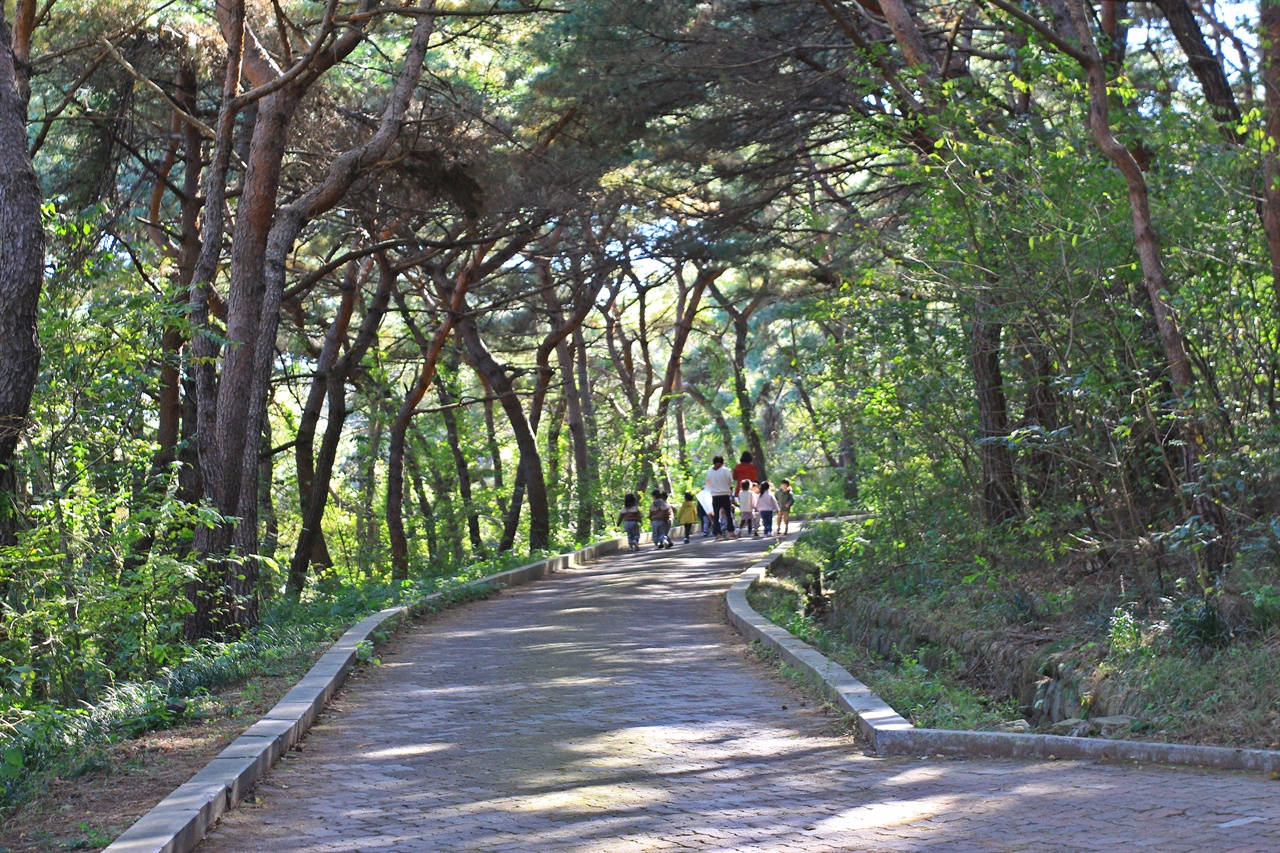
pixel 786 499
pixel 688 514
pixel 747 507
pixel 629 518
pixel 766 506
pixel 660 519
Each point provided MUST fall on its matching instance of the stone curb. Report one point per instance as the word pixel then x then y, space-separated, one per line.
pixel 891 734
pixel 179 822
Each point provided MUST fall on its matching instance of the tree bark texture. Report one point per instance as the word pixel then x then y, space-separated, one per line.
pixel 21 273
pixel 1000 499
pixel 535 484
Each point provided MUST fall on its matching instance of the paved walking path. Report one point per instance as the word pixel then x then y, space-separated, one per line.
pixel 609 708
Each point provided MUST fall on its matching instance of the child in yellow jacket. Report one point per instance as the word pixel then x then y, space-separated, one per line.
pixel 688 514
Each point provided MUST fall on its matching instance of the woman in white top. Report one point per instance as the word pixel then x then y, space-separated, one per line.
pixel 720 485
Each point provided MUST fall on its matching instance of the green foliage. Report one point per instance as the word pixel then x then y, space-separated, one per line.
pixel 1196 621
pixel 933 698
pixel 1266 607
pixel 1124 635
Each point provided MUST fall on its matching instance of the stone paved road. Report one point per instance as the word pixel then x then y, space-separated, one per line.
pixel 610 709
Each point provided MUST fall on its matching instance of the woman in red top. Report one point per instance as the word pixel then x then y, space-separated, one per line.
pixel 745 470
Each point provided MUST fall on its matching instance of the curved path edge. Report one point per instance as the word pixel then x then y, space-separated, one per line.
pixel 891 734
pixel 181 820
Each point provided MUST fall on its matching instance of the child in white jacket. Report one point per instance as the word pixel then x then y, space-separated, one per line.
pixel 747 507
pixel 766 506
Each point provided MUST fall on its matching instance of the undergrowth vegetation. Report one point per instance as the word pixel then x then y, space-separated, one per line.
pixel 1126 633
pixel 933 698
pixel 66 738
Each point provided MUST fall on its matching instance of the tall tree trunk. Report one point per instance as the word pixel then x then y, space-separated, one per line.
pixel 555 424
pixel 578 438
pixel 1041 410
pixel 368 531
pixel 205 592
pixel 511 521
pixel 535 484
pixel 686 312
pixel 1155 281
pixel 267 504
pixel 264 237
pixel 682 435
pixel 311 535
pixel 495 452
pixel 848 462
pixel 590 489
pixel 21 272
pixel 746 403
pixel 741 319
pixel 1000 500
pixel 461 466
pixel 564 330
pixel 1269 21
pixel 170 403
pixel 310 548
pixel 425 509
pixel 400 426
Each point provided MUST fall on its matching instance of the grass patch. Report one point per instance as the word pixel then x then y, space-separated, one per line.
pixel 930 698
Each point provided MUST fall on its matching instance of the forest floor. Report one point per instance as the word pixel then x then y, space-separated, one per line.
pixel 121 782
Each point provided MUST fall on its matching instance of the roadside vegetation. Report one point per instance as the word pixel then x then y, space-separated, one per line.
pixel 930 697
pixel 213 680
pixel 964 644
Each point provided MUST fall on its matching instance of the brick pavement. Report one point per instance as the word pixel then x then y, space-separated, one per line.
pixel 610 709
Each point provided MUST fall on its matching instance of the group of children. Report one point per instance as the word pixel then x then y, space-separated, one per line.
pixel 660 518
pixel 756 505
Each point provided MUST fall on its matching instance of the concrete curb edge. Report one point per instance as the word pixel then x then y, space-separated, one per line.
pixel 891 734
pixel 179 822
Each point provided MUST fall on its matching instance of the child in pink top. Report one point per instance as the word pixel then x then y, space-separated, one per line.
pixel 766 506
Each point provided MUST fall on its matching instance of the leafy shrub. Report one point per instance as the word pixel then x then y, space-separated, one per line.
pixel 1266 607
pixel 1197 622
pixel 1124 635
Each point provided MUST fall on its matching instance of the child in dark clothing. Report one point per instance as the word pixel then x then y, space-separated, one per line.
pixel 629 518
pixel 660 519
